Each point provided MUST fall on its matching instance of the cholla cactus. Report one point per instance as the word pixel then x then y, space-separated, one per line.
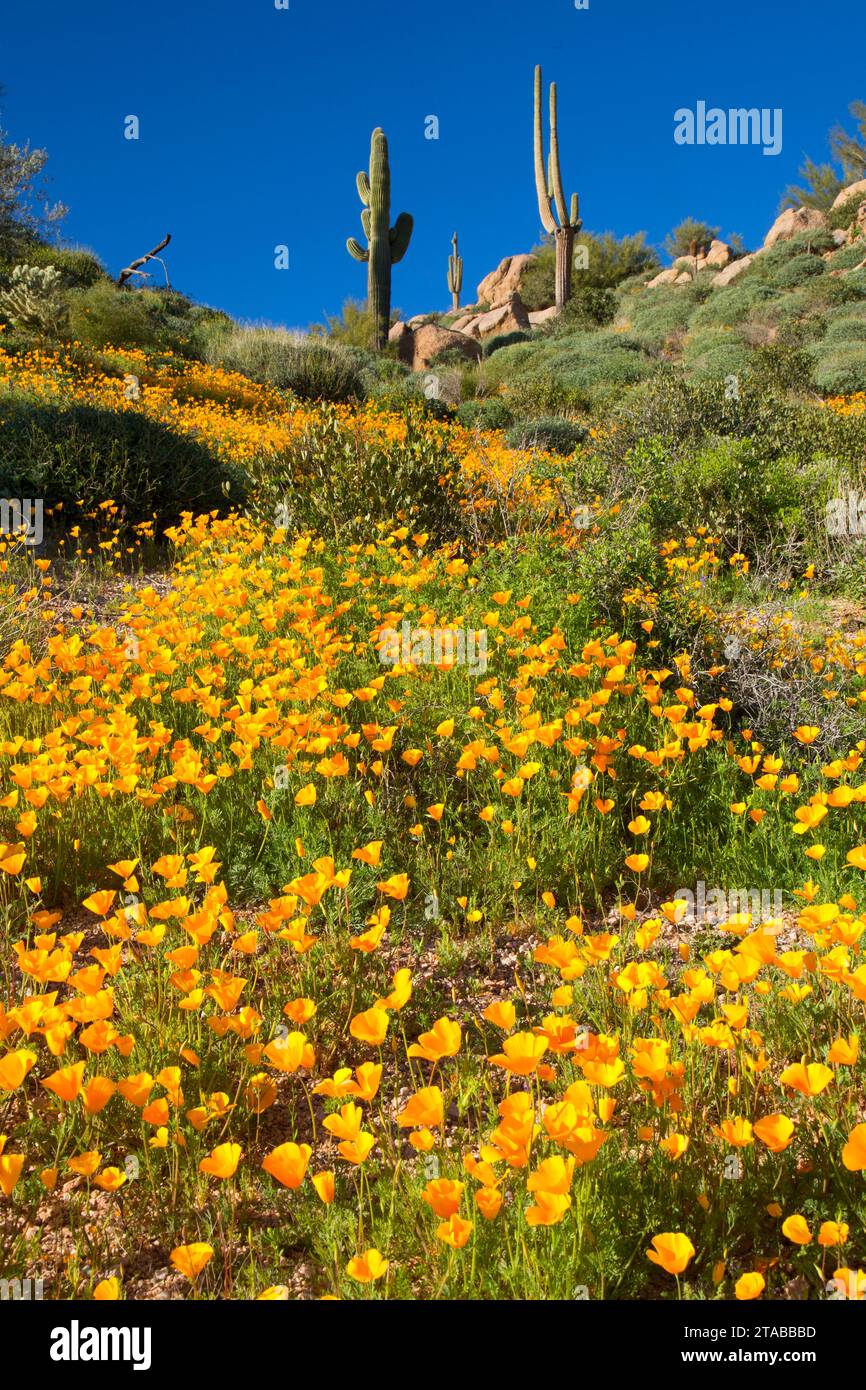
pixel 455 275
pixel 34 299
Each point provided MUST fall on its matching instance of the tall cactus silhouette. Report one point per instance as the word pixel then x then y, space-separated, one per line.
pixel 386 244
pixel 548 184
pixel 455 274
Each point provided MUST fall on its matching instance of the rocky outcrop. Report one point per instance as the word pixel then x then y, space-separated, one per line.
pixel 418 347
pixel 537 317
pixel 793 221
pixel 498 287
pixel 511 317
pixel 731 271
pixel 853 190
pixel 719 255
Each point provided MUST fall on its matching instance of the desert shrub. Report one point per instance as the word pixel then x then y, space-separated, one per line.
pixel 797 270
pixel 611 260
pixel 491 414
pixel 846 213
pixel 679 241
pixel 71 453
pixel 770 263
pixel 780 366
pixel 310 367
pixel 502 340
pixel 840 367
pixel 621 555
pixel 730 305
pixel 586 361
pixel 531 396
pixel 847 257
pixel 716 353
pixel 552 433
pixel 589 307
pixel 846 328
pixel 538 282
pixel 658 314
pixel 340 478
pixel 102 315
pixel 78 267
pixel 686 414
pixel 353 326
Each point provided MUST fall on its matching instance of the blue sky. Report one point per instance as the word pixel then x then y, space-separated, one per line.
pixel 254 121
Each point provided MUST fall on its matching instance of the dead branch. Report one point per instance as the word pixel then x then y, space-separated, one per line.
pixel 132 268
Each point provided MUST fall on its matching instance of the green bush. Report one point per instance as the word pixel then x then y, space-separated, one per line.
pixel 103 315
pixel 71 453
pixel 339 480
pixel 731 305
pixel 716 353
pixel 847 328
pixel 78 267
pixel 780 366
pixel 840 368
pixel 797 270
pixel 846 213
pixel 503 340
pixel 847 257
pixel 310 367
pixel 551 433
pixel 533 395
pixel 490 414
pixel 679 241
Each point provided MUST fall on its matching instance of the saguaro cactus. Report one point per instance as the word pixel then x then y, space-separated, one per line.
pixel 386 244
pixel 548 183
pixel 455 274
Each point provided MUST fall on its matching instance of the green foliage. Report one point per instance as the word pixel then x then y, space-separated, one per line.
pixel 845 214
pixel 679 241
pixel 589 307
pixel 490 414
pixel 821 185
pixel 307 366
pixel 798 270
pixel 339 480
pixel 103 315
pixel 503 340
pixel 715 353
pixel 66 454
pixel 26 216
pixel 731 304
pixel 840 367
pixel 551 433
pixel 353 326
pixel 78 267
pixel 611 261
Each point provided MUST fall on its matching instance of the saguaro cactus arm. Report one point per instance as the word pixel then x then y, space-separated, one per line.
pixel 401 235
pixel 358 252
pixel 544 194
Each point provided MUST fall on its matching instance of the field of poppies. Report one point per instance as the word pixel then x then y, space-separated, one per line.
pixel 348 883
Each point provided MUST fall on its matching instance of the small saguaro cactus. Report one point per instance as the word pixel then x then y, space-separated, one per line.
pixel 548 184
pixel 455 274
pixel 386 245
